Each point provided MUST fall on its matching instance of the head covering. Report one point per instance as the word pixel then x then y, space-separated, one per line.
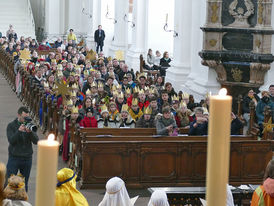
pixel 158 198
pixel 66 192
pixel 15 189
pixel 116 194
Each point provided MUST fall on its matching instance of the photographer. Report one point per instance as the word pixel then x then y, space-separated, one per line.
pixel 21 135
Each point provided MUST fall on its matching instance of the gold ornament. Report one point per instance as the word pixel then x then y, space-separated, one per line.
pixel 268 127
pixel 25 55
pixel 61 89
pixel 237 74
pixel 148 110
pixel 91 55
pixel 119 55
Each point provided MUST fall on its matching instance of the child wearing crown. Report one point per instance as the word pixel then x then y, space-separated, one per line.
pixel 125 119
pixel 135 112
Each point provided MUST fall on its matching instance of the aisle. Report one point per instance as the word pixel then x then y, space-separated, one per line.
pixel 9 104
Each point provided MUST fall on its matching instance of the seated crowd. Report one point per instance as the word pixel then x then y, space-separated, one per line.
pixel 105 93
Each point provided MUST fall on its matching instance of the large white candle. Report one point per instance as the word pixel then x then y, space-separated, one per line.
pixel 47 160
pixel 218 148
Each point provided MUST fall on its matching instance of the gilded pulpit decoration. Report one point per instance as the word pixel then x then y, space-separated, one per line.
pixel 214 9
pixel 268 127
pixel 238 45
pixel 239 13
pixel 260 12
pixel 237 74
pixel 212 42
pixel 61 89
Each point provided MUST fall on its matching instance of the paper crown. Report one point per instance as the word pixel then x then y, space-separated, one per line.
pixel 121 95
pixel 119 86
pixel 53 61
pixel 74 110
pixel 175 98
pixel 134 101
pixel 100 85
pixel 128 91
pixel 205 110
pixel 74 86
pixel 88 92
pixel 141 75
pixel 46 84
pixel 86 72
pixel 104 109
pixel 124 108
pixel 59 73
pixel 72 74
pixel 93 84
pixel 136 89
pixel 115 93
pixel 208 94
pixel 69 102
pixel 141 91
pixel 73 94
pixel 148 110
pixel 59 67
pixel 152 90
pixel 183 104
pixel 185 95
pixel 146 88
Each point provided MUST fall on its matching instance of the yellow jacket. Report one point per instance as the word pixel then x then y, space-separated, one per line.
pixel 72 37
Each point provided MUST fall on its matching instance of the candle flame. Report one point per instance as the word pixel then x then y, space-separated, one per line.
pixel 223 92
pixel 51 137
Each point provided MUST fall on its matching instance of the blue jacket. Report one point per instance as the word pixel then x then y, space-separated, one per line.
pixel 260 110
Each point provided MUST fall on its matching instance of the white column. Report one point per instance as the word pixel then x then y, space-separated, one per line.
pixel 268 79
pixel 201 79
pixel 120 28
pixel 74 16
pixel 180 69
pixel 52 19
pixel 139 34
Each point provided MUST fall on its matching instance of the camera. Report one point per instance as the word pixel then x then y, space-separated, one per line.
pixel 29 125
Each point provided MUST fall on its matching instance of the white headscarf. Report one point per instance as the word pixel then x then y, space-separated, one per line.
pixel 116 194
pixel 158 198
pixel 229 197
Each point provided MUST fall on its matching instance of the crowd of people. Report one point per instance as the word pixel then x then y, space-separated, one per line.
pixel 106 93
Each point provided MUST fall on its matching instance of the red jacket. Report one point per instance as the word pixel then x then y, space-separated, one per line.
pixel 88 122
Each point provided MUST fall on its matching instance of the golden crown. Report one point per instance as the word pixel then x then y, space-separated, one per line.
pixel 46 84
pixel 152 90
pixel 183 104
pixel 100 85
pixel 104 108
pixel 136 89
pixel 124 108
pixel 135 101
pixel 141 91
pixel 128 91
pixel 59 73
pixel 74 86
pixel 175 98
pixel 146 88
pixel 73 94
pixel 93 84
pixel 88 92
pixel 74 109
pixel 185 95
pixel 121 95
pixel 69 102
pixel 148 110
pixel 86 72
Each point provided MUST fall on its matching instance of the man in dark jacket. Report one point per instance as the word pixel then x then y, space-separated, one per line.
pixel 99 37
pixel 199 125
pixel 20 139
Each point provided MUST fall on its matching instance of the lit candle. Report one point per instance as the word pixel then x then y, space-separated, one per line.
pixel 47 160
pixel 218 148
pixel 2 181
pixel 166 18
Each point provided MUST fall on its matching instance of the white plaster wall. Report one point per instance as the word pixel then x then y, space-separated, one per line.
pixel 158 39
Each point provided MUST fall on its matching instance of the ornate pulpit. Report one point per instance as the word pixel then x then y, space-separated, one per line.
pixel 237 42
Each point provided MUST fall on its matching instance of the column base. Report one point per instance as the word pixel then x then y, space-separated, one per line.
pixel 113 48
pixel 268 80
pixel 133 59
pixel 199 86
pixel 177 74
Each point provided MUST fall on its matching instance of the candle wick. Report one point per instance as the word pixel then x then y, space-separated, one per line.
pixel 51 137
pixel 223 92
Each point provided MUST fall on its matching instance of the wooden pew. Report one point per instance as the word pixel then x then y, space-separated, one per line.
pixel 167 161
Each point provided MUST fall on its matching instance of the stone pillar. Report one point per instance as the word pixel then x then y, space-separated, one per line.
pixel 139 34
pixel 201 79
pixel 73 16
pixel 120 39
pixel 52 19
pixel 268 79
pixel 180 69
